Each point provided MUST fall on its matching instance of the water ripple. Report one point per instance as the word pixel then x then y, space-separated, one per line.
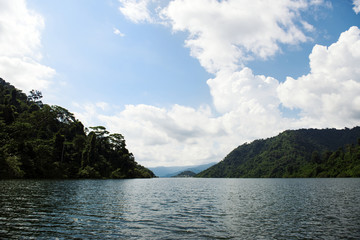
pixel 180 209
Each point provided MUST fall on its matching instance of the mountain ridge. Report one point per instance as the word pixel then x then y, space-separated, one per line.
pixel 174 170
pixel 185 174
pixel 294 153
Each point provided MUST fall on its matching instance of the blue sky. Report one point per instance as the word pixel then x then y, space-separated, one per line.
pixel 187 81
pixel 143 66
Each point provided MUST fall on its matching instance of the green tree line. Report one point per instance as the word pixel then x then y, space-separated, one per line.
pixel 42 141
pixel 294 153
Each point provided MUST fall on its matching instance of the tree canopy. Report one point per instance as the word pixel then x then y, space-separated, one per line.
pixel 42 141
pixel 294 153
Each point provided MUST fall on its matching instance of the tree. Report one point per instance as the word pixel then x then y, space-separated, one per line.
pixel 63 115
pixel 9 116
pixel 117 141
pixel 100 131
pixel 90 151
pixel 315 157
pixel 42 141
pixel 59 147
pixel 35 96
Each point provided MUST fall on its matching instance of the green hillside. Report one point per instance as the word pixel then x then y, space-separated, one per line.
pixel 185 174
pixel 294 153
pixel 42 141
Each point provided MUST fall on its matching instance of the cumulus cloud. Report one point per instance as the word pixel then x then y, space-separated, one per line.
pixel 225 34
pixel 20 41
pixel 328 95
pixel 242 89
pixel 356 6
pixel 247 108
pixel 158 136
pixel 20 29
pixel 184 135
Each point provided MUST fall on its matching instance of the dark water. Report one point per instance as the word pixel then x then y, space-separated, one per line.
pixel 180 209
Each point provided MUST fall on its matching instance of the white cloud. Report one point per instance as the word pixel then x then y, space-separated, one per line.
pixel 328 95
pixel 102 105
pixel 20 41
pixel 224 34
pixel 249 109
pixel 20 29
pixel 176 136
pixel 183 135
pixel 234 90
pixel 356 6
pixel 136 10
pixel 117 32
pixel 25 73
pixel 316 2
pixel 89 113
pixel 307 26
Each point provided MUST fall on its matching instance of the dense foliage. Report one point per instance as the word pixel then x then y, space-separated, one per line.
pixel 295 153
pixel 42 141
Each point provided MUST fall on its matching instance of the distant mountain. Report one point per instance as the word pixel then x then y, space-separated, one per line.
pixel 294 153
pixel 172 171
pixel 185 174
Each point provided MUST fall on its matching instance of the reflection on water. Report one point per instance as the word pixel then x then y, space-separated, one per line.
pixel 181 209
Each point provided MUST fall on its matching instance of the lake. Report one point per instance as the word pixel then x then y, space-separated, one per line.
pixel 180 208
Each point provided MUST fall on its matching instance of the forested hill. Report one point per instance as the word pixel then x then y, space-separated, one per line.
pixel 185 174
pixel 42 141
pixel 294 153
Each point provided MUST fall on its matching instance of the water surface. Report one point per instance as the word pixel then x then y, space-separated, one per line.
pixel 180 209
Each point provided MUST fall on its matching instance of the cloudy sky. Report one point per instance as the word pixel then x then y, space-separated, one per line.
pixel 187 81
